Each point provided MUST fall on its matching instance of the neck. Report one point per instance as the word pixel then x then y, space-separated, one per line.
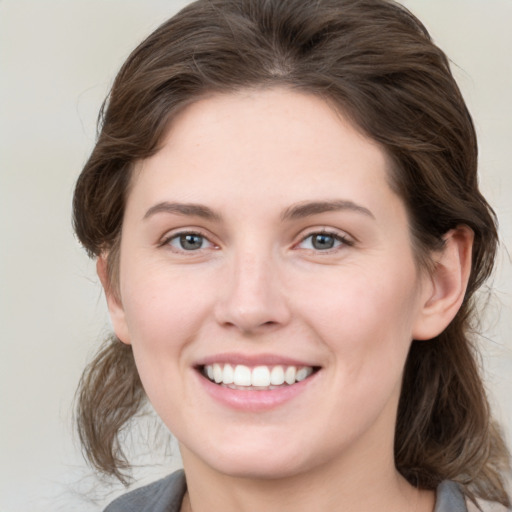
pixel 348 487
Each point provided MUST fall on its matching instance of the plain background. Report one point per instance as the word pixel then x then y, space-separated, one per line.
pixel 57 61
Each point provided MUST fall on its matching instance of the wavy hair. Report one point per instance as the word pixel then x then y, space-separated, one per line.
pixel 376 63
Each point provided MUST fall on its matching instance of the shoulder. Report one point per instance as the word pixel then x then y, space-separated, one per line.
pixel 486 506
pixel 450 498
pixel 164 495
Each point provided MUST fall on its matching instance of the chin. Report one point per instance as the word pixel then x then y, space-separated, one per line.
pixel 262 469
pixel 257 461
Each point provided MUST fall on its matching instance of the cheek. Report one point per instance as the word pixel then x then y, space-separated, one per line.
pixel 163 311
pixel 367 318
pixel 163 316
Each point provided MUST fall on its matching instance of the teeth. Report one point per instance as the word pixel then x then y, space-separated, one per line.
pixel 228 375
pixel 242 376
pixel 277 376
pixel 217 373
pixel 258 377
pixel 303 373
pixel 289 375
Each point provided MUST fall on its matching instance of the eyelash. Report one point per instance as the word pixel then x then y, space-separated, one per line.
pixel 342 241
pixel 177 236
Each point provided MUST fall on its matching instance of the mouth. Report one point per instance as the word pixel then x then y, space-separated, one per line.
pixel 256 378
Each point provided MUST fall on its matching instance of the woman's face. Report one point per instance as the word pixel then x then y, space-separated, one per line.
pixel 263 243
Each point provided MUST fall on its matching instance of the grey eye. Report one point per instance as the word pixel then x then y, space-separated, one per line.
pixel 322 241
pixel 188 242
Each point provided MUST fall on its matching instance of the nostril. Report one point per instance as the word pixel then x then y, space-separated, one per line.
pixel 249 310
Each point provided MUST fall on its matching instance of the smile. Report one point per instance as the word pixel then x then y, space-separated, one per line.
pixel 255 378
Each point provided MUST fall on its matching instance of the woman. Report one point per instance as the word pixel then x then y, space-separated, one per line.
pixel 284 207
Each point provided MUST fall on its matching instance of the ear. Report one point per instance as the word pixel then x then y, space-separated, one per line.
pixel 446 285
pixel 114 304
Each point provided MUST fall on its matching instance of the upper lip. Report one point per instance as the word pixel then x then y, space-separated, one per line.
pixel 252 360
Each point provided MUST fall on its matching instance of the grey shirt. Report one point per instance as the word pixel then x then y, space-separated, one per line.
pixel 167 494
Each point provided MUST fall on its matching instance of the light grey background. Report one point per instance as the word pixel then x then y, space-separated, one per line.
pixel 57 60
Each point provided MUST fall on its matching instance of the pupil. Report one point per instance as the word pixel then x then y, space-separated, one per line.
pixel 323 241
pixel 190 242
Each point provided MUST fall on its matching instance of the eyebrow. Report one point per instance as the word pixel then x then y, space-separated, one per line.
pixel 309 208
pixel 297 211
pixel 189 209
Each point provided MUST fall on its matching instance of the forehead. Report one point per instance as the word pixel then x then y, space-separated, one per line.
pixel 263 119
pixel 272 144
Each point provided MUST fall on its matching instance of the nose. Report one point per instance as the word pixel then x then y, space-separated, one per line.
pixel 253 297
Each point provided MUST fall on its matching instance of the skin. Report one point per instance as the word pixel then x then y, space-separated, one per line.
pixel 257 286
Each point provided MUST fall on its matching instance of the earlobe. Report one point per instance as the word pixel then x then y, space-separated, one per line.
pixel 447 286
pixel 114 304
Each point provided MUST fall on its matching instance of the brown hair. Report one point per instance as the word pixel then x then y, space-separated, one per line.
pixel 376 63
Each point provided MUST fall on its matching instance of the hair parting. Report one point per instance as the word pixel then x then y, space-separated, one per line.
pixel 376 63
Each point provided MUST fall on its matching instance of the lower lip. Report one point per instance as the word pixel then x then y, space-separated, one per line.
pixel 255 400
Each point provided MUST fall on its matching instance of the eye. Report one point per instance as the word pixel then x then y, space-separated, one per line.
pixel 323 241
pixel 188 242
